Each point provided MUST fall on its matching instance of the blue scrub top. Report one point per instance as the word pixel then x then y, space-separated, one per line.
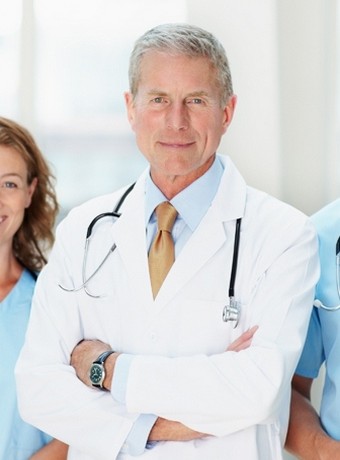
pixel 18 440
pixel 323 339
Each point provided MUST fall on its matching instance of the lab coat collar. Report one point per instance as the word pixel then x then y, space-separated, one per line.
pixel 230 200
pixel 228 205
pixel 129 234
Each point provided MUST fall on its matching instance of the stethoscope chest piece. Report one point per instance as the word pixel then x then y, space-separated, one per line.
pixel 231 312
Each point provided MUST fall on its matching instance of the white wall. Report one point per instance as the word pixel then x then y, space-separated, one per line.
pixel 282 57
pixel 307 46
pixel 248 30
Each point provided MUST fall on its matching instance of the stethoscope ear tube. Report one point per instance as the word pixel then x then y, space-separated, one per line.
pixel 95 220
pixel 113 213
pixel 318 304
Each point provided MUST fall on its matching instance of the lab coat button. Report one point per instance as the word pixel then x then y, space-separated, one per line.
pixel 153 336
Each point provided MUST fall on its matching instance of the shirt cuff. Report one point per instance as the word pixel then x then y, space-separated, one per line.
pixel 120 377
pixel 137 440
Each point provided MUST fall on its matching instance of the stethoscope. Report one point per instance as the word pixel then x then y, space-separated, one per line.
pixel 317 303
pixel 231 311
pixel 115 213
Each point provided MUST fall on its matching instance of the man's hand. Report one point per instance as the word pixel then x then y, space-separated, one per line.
pixel 83 356
pixel 167 430
pixel 88 351
pixel 244 341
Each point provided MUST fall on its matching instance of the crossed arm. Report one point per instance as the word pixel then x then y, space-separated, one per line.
pixel 87 351
pixel 306 438
pixel 55 450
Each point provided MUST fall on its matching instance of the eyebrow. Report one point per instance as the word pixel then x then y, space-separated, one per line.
pixel 11 174
pixel 199 93
pixel 152 92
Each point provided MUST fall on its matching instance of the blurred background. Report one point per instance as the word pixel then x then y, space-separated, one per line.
pixel 63 71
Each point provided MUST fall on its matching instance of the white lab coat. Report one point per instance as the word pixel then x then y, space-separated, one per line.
pixel 181 370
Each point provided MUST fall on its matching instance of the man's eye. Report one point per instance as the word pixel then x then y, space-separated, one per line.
pixel 196 100
pixel 158 100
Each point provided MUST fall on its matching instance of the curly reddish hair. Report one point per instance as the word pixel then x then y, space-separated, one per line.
pixel 36 234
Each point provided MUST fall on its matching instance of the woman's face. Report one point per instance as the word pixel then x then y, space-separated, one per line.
pixel 15 193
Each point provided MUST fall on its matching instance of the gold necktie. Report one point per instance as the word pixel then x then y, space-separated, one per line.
pixel 162 252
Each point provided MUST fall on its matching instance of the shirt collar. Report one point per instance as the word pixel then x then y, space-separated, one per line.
pixel 191 203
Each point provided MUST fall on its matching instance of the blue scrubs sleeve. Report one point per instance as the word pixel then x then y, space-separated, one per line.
pixel 312 356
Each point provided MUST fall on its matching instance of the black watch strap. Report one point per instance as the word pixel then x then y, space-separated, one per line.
pixel 101 358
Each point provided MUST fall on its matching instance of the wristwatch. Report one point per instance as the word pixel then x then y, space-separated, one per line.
pixel 97 370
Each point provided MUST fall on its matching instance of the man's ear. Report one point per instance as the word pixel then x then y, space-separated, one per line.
pixel 129 104
pixel 229 112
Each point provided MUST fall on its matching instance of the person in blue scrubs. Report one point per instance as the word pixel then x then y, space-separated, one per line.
pixel 28 208
pixel 312 435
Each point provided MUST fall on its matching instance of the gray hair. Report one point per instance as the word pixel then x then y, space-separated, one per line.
pixel 183 39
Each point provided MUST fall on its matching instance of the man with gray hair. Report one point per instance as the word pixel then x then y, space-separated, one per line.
pixel 185 313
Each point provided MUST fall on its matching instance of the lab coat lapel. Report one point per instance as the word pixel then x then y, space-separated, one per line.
pixel 129 236
pixel 211 234
pixel 209 237
pixel 203 244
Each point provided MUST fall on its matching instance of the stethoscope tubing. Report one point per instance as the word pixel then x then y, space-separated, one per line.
pixel 231 312
pixel 235 258
pixel 317 303
pixel 113 213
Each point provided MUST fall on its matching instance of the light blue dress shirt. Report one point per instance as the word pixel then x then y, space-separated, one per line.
pixel 18 440
pixel 323 339
pixel 192 204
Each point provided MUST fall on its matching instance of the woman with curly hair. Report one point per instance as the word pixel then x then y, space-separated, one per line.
pixel 28 209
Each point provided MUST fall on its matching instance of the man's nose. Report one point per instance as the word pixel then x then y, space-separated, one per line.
pixel 177 116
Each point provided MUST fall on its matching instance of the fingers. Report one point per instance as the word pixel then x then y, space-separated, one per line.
pixel 244 341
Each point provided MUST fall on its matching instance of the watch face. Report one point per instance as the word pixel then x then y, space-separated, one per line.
pixel 97 374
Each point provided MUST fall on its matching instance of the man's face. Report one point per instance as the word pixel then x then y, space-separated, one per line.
pixel 177 115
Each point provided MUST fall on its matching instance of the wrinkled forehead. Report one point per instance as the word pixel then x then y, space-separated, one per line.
pixel 161 70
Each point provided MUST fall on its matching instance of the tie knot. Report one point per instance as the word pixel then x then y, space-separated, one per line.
pixel 166 216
